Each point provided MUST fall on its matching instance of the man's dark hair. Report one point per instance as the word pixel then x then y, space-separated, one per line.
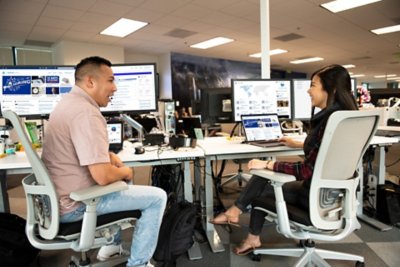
pixel 89 65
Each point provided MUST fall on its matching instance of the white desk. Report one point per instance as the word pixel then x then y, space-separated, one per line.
pixel 220 148
pixel 379 142
pixel 18 163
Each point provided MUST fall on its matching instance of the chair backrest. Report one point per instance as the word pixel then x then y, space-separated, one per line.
pixel 41 196
pixel 346 138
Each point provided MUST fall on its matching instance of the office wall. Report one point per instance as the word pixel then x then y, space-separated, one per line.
pixel 70 53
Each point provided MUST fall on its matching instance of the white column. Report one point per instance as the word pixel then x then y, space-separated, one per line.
pixel 264 23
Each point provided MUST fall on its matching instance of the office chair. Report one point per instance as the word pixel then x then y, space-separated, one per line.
pixel 332 199
pixel 43 226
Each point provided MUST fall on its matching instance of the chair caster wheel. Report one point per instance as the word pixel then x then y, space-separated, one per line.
pixel 360 264
pixel 255 257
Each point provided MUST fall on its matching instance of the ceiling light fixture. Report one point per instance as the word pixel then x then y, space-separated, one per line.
pixel 123 27
pixel 341 5
pixel 393 78
pixel 271 53
pixel 357 75
pixel 389 29
pixel 306 60
pixel 385 76
pixel 212 43
pixel 349 66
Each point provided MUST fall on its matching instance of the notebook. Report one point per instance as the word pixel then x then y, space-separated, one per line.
pixel 262 130
pixel 115 135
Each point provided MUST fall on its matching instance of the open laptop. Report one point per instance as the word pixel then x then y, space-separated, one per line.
pixel 115 131
pixel 262 130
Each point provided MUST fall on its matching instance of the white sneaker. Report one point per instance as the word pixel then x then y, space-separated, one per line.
pixel 106 252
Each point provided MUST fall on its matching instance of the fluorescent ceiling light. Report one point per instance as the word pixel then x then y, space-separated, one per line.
pixel 123 27
pixel 389 29
pixel 341 5
pixel 271 53
pixel 385 76
pixel 306 60
pixel 393 78
pixel 349 66
pixel 212 42
pixel 357 75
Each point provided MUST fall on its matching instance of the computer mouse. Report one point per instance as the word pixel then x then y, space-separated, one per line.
pixel 139 150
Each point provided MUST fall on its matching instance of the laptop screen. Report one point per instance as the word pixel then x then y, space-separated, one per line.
pixel 261 127
pixel 114 130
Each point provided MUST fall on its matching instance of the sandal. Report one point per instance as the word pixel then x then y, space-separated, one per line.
pixel 242 250
pixel 228 220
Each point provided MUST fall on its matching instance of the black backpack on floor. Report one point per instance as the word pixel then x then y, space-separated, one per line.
pixel 15 249
pixel 176 233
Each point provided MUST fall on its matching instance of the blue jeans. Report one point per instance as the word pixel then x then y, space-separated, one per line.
pixel 150 201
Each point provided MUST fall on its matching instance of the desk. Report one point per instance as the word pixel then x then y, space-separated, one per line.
pixel 18 164
pixel 220 148
pixel 380 142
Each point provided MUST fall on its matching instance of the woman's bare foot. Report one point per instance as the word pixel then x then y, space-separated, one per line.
pixel 248 245
pixel 231 216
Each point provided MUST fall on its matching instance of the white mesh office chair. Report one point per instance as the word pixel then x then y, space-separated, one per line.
pixel 332 199
pixel 43 227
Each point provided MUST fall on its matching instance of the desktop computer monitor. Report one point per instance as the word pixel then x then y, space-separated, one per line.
pixel 136 89
pixel 33 91
pixel 261 96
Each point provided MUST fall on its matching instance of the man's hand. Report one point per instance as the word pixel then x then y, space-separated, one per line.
pixel 115 160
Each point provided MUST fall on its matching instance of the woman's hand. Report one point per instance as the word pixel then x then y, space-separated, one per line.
pixel 260 164
pixel 290 142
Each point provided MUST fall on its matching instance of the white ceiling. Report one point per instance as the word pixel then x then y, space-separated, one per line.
pixel 342 38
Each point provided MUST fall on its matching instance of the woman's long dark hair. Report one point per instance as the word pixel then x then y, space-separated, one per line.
pixel 336 82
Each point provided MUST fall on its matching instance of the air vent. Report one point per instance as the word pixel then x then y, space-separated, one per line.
pixel 180 33
pixel 289 37
pixel 37 43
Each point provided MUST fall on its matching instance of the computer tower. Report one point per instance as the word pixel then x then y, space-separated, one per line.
pixel 166 110
pixel 388 203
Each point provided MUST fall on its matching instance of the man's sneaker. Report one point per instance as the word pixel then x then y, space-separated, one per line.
pixel 106 252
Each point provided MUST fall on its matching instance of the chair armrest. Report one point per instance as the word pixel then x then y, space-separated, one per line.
pixel 273 176
pixel 97 191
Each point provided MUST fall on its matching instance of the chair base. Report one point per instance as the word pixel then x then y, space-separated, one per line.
pixel 309 255
pixel 75 262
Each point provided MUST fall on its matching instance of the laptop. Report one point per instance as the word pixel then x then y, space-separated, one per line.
pixel 262 130
pixel 115 131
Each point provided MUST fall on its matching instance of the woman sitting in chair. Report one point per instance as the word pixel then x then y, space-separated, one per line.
pixel 330 91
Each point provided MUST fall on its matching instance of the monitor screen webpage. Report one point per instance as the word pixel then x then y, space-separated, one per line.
pixel 34 90
pixel 136 89
pixel 261 96
pixel 301 101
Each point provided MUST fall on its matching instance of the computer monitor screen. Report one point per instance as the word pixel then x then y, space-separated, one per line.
pixel 301 99
pixel 261 96
pixel 33 91
pixel 215 105
pixel 136 89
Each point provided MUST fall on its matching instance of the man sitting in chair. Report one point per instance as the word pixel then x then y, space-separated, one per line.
pixel 75 151
pixel 330 91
